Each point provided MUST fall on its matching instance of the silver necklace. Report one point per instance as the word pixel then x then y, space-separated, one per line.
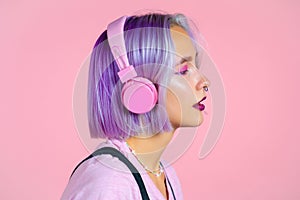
pixel 156 172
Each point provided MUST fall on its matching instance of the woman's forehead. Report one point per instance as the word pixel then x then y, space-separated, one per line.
pixel 184 46
pixel 178 29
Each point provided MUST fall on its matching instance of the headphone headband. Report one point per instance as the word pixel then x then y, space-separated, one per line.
pixel 115 37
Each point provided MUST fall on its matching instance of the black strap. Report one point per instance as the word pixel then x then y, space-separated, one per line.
pixel 171 189
pixel 169 183
pixel 114 152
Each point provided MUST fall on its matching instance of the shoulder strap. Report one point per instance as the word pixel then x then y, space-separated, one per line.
pixel 114 152
pixel 171 189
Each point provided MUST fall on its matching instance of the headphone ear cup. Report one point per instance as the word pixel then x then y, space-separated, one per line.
pixel 139 95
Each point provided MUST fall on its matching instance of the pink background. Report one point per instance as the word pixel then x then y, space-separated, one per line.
pixel 255 45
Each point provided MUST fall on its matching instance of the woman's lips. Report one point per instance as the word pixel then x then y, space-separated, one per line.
pixel 202 99
pixel 199 105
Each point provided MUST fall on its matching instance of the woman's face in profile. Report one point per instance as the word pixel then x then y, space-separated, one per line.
pixel 186 87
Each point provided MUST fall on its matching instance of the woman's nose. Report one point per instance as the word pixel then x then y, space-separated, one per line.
pixel 203 82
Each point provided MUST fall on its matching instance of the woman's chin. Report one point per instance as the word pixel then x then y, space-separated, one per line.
pixel 193 123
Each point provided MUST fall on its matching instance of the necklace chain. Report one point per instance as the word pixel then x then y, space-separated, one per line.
pixel 156 172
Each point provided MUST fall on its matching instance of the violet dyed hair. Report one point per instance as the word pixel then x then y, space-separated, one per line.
pixel 150 50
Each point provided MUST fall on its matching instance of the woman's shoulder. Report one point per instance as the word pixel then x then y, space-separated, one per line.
pixel 101 177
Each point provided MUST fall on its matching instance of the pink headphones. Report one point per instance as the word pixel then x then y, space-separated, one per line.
pixel 139 94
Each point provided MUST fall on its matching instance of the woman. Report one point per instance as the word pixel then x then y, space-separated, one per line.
pixel 160 48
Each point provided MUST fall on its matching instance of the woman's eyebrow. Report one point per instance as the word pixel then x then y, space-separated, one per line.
pixel 185 59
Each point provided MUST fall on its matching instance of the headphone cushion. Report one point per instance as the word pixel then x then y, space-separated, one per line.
pixel 139 95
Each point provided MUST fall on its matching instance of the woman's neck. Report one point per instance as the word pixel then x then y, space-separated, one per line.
pixel 149 150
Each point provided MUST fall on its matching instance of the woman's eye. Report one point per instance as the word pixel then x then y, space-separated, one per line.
pixel 183 70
